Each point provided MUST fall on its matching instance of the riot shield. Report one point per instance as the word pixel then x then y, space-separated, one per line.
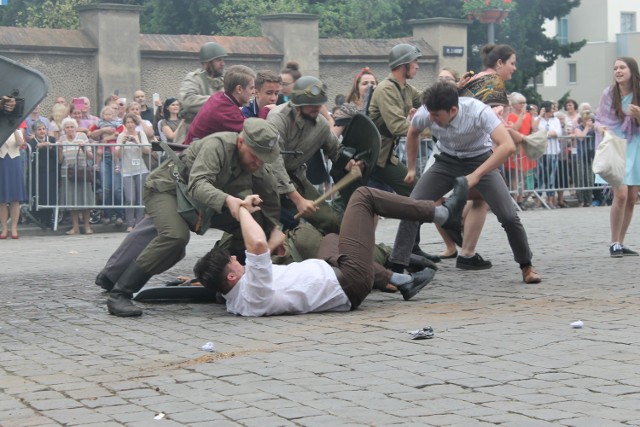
pixel 27 86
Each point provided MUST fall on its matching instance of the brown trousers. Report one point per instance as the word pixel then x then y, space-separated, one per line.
pixel 357 236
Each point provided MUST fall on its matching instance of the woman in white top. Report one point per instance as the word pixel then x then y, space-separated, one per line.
pixel 76 191
pixel 548 164
pixel 132 146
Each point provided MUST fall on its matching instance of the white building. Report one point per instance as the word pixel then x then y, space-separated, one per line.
pixel 611 30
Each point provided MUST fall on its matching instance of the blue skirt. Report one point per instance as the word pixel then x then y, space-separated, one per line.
pixel 12 187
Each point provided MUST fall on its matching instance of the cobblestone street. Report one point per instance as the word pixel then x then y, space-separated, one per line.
pixel 504 353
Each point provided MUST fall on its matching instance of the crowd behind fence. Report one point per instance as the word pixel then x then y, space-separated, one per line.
pixel 106 191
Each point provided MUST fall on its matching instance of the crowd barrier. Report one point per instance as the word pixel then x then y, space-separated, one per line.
pixel 57 182
pixel 50 188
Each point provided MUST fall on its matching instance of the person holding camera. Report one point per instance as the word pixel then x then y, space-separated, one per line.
pixel 131 148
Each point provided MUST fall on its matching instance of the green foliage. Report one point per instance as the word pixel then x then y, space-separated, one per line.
pixel 241 17
pixel 53 14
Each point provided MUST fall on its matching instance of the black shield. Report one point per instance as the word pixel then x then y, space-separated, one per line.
pixel 361 141
pixel 27 86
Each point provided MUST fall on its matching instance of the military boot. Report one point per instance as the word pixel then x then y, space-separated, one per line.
pixel 119 301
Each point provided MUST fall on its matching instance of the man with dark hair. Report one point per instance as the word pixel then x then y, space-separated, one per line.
pixel 339 281
pixel 266 95
pixel 465 128
pixel 221 112
pixel 221 169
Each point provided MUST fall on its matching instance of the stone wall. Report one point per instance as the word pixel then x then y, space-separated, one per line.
pixel 101 56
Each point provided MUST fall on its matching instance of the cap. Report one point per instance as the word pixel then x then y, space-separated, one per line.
pixel 262 137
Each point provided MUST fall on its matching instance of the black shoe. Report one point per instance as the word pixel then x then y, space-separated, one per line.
pixel 455 204
pixel 419 252
pixel 103 281
pixel 476 262
pixel 419 263
pixel 628 251
pixel 615 251
pixel 396 268
pixel 420 280
pixel 120 305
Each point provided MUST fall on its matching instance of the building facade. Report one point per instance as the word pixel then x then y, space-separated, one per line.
pixel 610 28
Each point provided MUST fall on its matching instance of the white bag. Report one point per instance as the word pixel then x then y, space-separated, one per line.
pixel 535 144
pixel 610 159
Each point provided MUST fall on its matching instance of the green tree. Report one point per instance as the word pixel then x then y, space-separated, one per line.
pixel 523 30
pixel 180 17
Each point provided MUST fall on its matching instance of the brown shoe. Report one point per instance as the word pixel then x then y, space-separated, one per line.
pixel 529 275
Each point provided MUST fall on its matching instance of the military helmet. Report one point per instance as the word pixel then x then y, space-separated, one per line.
pixel 210 51
pixel 403 54
pixel 309 90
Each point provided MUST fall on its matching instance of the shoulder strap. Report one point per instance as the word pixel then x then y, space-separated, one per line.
pixel 174 157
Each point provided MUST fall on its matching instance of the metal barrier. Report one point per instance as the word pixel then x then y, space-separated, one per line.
pixel 57 181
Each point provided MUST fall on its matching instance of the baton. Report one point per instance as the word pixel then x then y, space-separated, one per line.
pixel 354 174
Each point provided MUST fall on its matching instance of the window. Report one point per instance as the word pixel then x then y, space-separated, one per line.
pixel 563 31
pixel 627 22
pixel 573 77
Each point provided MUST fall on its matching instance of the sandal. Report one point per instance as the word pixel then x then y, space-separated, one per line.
pixel 453 255
pixel 88 231
pixel 72 232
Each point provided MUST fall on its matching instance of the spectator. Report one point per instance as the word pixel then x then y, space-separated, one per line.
pixel 12 188
pixel 266 95
pixel 145 125
pixel 132 146
pixel 585 152
pixel 518 166
pixel 58 112
pixel 355 100
pixel 31 119
pixel 87 118
pixel 288 76
pixel 106 131
pixel 548 163
pixel 46 178
pixel 619 112
pixel 171 119
pixel 76 192
pixel 146 113
pixel 76 114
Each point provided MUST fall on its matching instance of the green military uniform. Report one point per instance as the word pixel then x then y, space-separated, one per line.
pixel 215 173
pixel 389 108
pixel 195 90
pixel 301 134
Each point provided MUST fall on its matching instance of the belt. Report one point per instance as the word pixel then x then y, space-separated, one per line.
pixel 339 276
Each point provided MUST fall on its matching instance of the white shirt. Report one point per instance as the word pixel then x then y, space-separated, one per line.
pixel 553 144
pixel 467 135
pixel 302 287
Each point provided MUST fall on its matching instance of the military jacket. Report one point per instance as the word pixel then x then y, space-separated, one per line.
pixel 301 134
pixel 390 105
pixel 214 171
pixel 195 89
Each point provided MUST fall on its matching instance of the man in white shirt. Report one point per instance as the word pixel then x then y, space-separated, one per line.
pixel 338 282
pixel 463 127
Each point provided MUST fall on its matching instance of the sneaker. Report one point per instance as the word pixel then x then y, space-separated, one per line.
pixel 626 251
pixel 119 221
pixel 529 275
pixel 106 221
pixel 475 262
pixel 420 280
pixel 615 251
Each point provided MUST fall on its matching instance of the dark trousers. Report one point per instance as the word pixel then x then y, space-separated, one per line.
pixel 439 179
pixel 357 236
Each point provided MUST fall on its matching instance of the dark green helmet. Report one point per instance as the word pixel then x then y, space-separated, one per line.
pixel 210 51
pixel 403 54
pixel 309 90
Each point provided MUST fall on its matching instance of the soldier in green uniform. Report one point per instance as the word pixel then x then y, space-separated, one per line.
pixel 304 129
pixel 199 85
pixel 393 103
pixel 223 169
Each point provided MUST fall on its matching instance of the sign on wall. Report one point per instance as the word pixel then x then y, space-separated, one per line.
pixel 452 50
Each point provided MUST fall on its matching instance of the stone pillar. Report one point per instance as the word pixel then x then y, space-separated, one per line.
pixel 448 37
pixel 115 30
pixel 297 36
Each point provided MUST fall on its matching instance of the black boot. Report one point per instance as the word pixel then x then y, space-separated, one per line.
pixel 455 205
pixel 104 282
pixel 131 281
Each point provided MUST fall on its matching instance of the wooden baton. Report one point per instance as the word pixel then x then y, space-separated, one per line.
pixel 354 174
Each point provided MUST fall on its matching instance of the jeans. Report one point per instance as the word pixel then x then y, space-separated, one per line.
pixel 547 170
pixel 111 186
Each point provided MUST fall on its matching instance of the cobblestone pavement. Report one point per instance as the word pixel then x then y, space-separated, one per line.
pixel 503 352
